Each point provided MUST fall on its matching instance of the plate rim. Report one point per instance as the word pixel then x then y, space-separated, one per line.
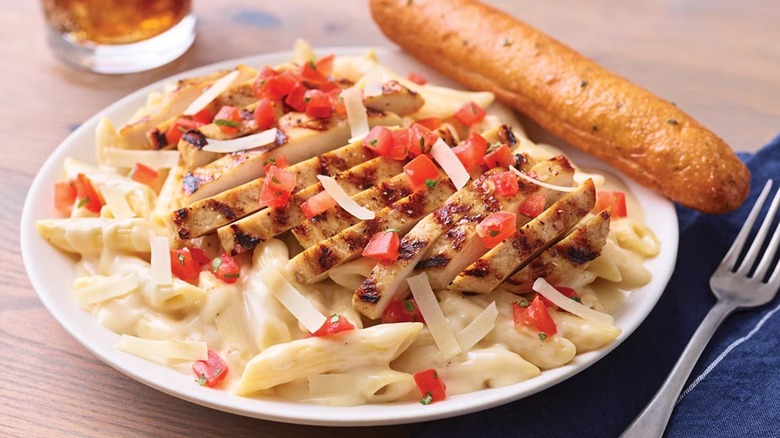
pixel 287 411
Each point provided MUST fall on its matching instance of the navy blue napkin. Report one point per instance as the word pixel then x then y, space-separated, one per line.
pixel 734 391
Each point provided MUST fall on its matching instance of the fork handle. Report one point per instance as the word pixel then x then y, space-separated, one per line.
pixel 653 420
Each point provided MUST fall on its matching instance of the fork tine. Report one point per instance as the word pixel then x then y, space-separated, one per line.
pixel 769 254
pixel 755 247
pixel 730 260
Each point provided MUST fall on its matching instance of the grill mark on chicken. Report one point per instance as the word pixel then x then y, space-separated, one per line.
pixel 410 247
pixel 243 240
pixel 322 166
pixel 506 135
pixel 191 183
pixel 479 269
pixel 446 214
pixel 390 192
pixel 368 292
pixel 326 257
pixel 157 138
pixel 457 237
pixel 438 261
pixel 222 208
pixel 415 207
pixel 195 138
pixel 363 180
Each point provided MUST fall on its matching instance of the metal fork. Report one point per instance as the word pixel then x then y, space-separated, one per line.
pixel 735 287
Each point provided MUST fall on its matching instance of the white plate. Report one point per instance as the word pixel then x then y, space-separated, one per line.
pixel 51 273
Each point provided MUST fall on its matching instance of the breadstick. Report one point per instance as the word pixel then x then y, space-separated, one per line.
pixel 646 137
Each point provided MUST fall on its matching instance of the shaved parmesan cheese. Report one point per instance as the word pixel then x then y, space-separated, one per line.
pixel 241 143
pixel 302 52
pixel 478 328
pixel 342 198
pixel 356 113
pixel 548 291
pixel 292 300
pixel 434 317
pixel 92 290
pixel 129 157
pixel 117 202
pixel 164 351
pixel 450 163
pixel 373 84
pixel 219 86
pixel 542 184
pixel 161 260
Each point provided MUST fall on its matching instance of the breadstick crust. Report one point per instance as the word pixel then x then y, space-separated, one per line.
pixel 593 109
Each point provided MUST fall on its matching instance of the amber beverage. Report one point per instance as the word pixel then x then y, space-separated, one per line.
pixel 119 36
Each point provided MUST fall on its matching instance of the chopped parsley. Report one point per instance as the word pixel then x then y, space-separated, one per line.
pixel 225 122
pixel 672 122
pixel 583 83
pixel 542 336
pixel 216 264
pixel 422 144
pixel 275 180
pixel 181 259
pixel 431 183
pixel 83 201
pixel 522 302
pixel 493 233
pixel 232 275
pixel 409 305
pixel 201 380
pixel 334 318
pixel 307 99
pixel 392 230
pixel 271 160
pixel 373 142
pixel 312 65
pixel 428 399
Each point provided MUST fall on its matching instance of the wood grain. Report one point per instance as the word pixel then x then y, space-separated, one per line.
pixel 717 59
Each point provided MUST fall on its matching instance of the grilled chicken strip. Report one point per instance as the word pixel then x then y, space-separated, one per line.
pixel 245 234
pixel 500 262
pixel 312 264
pixel 461 245
pixel 565 258
pixel 133 134
pixel 296 143
pixel 388 279
pixel 395 99
pixel 208 214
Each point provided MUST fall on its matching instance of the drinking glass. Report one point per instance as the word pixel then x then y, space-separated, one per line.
pixel 119 36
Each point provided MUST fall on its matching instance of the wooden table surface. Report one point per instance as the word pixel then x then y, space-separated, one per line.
pixel 717 59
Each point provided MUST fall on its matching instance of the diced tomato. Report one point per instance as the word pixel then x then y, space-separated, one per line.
pixel 431 386
pixel 470 114
pixel 225 268
pixel 200 256
pixel 265 73
pixel 210 372
pixel 334 324
pixel 533 205
pixel 402 144
pixel 565 291
pixel 472 150
pixel 421 172
pixel 417 78
pixel 86 194
pixel 535 315
pixel 178 128
pixel 64 195
pixel 324 65
pixel 204 116
pixel 280 162
pixel 497 227
pixel 228 119
pixel 264 114
pixel 278 86
pixel 506 183
pixel 296 98
pixel 184 265
pixel 383 246
pixel 402 311
pixel 277 187
pixel 422 140
pixel 500 156
pixel 430 122
pixel 614 199
pixel 330 86
pixel 311 74
pixel 335 100
pixel 379 140
pixel 143 174
pixel 318 104
pixel 317 204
